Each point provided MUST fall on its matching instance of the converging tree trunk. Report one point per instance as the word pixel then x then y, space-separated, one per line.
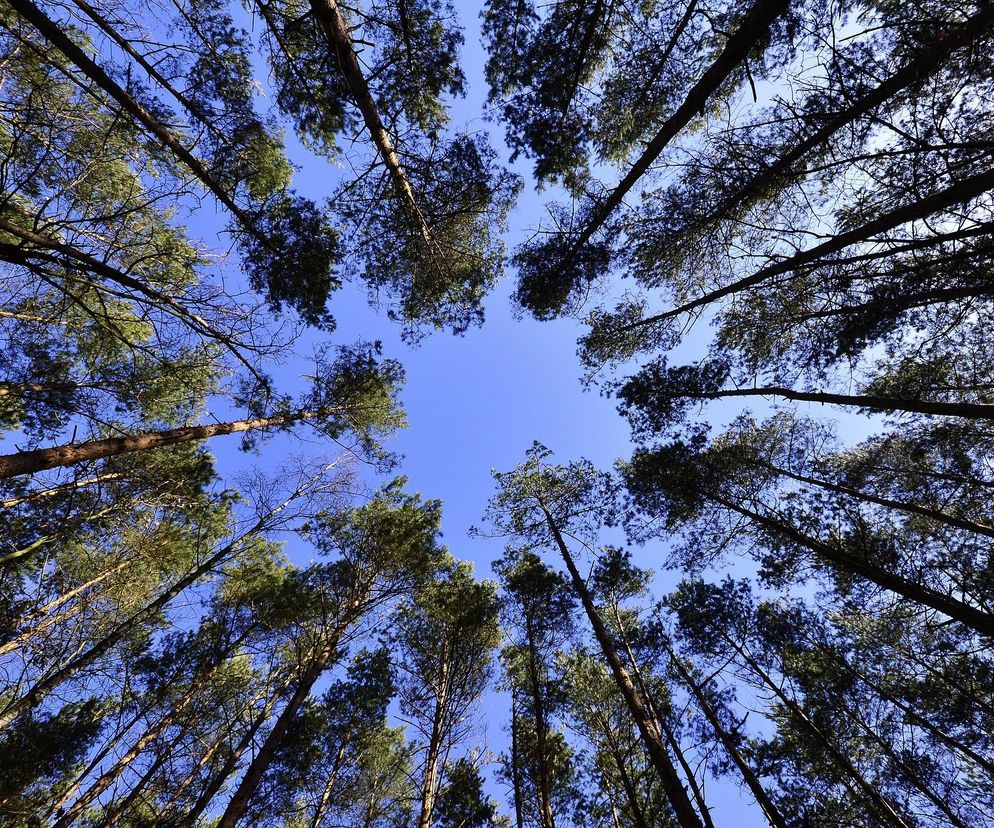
pixel 37 460
pixel 677 795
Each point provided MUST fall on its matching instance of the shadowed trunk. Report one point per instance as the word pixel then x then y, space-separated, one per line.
pixel 37 460
pixel 770 810
pixel 651 737
pixel 977 620
pixel 329 15
pixel 751 30
pixel 54 33
pixel 970 411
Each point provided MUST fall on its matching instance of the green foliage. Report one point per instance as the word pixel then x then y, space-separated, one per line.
pixel 462 802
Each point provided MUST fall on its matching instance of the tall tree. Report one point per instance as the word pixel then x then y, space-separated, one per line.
pixel 446 639
pixel 537 615
pixel 542 504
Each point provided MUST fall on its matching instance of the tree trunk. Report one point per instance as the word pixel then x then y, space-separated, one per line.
pixel 886 811
pixel 519 818
pixel 971 411
pixel 329 785
pixel 770 810
pixel 429 786
pixel 651 737
pixel 49 620
pixel 896 505
pixel 46 249
pixel 201 675
pixel 925 63
pixel 267 752
pixel 754 26
pixel 909 774
pixel 37 460
pixel 662 724
pixel 975 619
pixel 541 732
pixel 336 30
pixel 631 794
pixel 961 191
pixel 120 631
pixel 915 718
pixel 73 486
pixel 217 781
pixel 55 34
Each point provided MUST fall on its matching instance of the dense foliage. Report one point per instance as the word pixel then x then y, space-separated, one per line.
pixel 754 605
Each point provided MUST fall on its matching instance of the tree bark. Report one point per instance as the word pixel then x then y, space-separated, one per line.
pixel 217 781
pixel 329 15
pixel 37 460
pixel 925 64
pixel 970 411
pixel 541 731
pixel 264 758
pixel 62 488
pixel 961 191
pixel 753 27
pixel 54 33
pixel 52 251
pixel 519 818
pixel 429 786
pixel 896 505
pixel 885 809
pixel 977 620
pixel 766 804
pixel 652 739
pixel 121 630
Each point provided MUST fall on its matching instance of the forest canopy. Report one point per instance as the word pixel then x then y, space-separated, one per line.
pixel 767 225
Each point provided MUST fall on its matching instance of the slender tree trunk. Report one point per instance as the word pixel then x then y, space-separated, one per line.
pixel 926 63
pixel 960 192
pixel 69 791
pixel 121 808
pixel 68 454
pixel 519 819
pixel 915 718
pixel 429 786
pixel 24 389
pixel 63 488
pixel 120 631
pixel 45 612
pixel 53 251
pixel 977 620
pixel 885 810
pixel 766 804
pixel 329 15
pixel 55 34
pixel 661 722
pixel 329 785
pixel 596 15
pixel 971 411
pixel 631 794
pixel 896 505
pixel 264 758
pixel 202 674
pixel 227 768
pixel 541 731
pixel 754 26
pixel 910 775
pixel 651 737
pixel 125 45
pixel 113 773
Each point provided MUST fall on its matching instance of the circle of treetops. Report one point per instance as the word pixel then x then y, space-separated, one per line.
pixel 770 222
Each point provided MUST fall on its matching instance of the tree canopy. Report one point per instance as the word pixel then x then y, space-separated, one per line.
pixel 769 225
